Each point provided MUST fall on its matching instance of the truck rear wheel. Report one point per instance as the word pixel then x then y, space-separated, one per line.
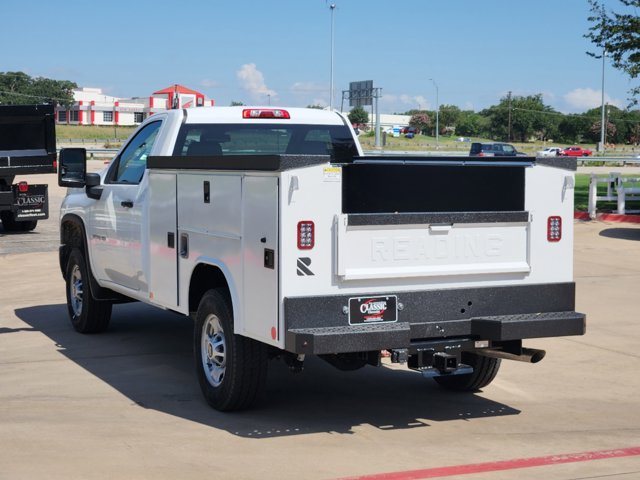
pixel 485 370
pixel 231 369
pixel 87 314
pixel 10 224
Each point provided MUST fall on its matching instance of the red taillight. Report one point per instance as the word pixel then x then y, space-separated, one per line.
pixel 306 235
pixel 481 154
pixel 554 229
pixel 265 113
pixel 23 187
pixel 55 164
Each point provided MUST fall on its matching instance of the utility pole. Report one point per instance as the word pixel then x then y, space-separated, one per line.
pixel 603 123
pixel 332 7
pixel 602 120
pixel 509 96
pixel 437 114
pixel 376 96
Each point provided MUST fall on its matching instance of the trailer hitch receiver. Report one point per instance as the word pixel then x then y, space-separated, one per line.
pixel 445 362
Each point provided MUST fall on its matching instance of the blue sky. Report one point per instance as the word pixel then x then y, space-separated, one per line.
pixel 248 50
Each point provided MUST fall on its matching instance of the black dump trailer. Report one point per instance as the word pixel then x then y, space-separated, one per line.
pixel 27 146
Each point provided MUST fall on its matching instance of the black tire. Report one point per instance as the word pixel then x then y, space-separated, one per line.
pixel 10 224
pixel 27 226
pixel 87 314
pixel 231 369
pixel 485 370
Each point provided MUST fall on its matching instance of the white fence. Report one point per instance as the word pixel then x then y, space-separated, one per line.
pixel 619 189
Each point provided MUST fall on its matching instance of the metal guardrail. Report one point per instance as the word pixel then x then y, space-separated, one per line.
pixel 615 160
pixel 99 152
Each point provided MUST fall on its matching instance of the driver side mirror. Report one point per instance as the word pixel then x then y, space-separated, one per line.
pixel 72 171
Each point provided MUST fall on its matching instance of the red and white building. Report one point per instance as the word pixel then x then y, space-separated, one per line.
pixel 92 107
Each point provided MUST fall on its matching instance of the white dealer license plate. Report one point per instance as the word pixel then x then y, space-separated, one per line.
pixel 364 310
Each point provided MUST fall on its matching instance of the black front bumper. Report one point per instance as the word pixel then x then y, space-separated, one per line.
pixel 318 325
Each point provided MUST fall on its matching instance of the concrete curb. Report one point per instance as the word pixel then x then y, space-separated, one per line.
pixel 608 217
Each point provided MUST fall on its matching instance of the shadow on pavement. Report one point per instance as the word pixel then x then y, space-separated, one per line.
pixel 622 233
pixel 146 355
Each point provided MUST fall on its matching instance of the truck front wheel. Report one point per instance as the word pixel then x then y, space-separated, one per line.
pixel 87 314
pixel 232 369
pixel 485 370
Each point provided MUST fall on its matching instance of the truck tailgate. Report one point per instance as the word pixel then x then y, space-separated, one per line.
pixel 370 246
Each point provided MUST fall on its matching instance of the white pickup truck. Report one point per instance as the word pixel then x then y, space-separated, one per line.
pixel 281 239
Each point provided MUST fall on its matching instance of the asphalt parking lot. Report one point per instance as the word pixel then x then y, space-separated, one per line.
pixel 126 404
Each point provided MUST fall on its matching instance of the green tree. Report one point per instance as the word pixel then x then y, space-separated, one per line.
pixel 449 116
pixel 617 127
pixel 358 116
pixel 529 118
pixel 472 124
pixel 632 120
pixel 20 88
pixel 421 121
pixel 573 128
pixel 619 35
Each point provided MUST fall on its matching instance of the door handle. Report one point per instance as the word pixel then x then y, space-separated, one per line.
pixel 127 204
pixel 184 245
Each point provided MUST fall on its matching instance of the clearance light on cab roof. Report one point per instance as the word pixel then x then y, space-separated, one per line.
pixel 265 113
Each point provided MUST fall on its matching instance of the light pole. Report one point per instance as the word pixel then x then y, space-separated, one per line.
pixel 332 7
pixel 602 119
pixel 437 113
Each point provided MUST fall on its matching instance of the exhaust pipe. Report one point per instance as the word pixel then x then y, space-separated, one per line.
pixel 529 355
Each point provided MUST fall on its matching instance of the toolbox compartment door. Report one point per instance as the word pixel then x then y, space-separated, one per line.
pixel 425 217
pixel 260 257
pixel 163 240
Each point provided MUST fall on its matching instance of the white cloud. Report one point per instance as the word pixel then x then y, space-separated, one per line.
pixel 304 91
pixel 403 102
pixel 209 83
pixel 252 80
pixel 306 87
pixel 320 101
pixel 581 99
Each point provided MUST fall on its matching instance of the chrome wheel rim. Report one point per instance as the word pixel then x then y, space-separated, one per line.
pixel 213 350
pixel 76 290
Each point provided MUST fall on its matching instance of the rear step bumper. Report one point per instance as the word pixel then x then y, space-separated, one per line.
pixel 317 325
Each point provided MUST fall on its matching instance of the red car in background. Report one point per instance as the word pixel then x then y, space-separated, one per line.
pixel 574 152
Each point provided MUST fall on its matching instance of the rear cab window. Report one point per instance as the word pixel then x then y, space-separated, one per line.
pixel 334 141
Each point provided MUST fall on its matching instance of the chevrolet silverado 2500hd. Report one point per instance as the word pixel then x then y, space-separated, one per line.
pixel 281 239
pixel 27 146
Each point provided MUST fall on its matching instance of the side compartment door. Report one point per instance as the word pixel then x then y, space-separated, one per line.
pixel 163 240
pixel 260 258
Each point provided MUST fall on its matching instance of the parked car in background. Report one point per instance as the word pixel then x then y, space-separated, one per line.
pixel 411 132
pixel 575 152
pixel 549 152
pixel 493 150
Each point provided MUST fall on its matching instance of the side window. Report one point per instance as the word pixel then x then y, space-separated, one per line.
pixel 133 159
pixel 508 149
